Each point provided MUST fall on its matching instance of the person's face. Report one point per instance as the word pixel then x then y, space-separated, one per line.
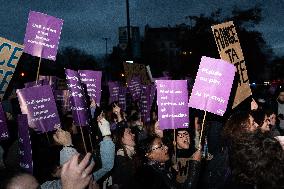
pixel 183 140
pixel 252 124
pixel 272 119
pixel 158 131
pixel 281 96
pixel 265 126
pixel 93 104
pixel 158 152
pixel 128 138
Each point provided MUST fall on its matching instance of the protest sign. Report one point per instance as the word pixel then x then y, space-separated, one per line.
pixel 3 125
pixel 10 53
pixel 113 87
pixel 62 100
pixel 42 35
pixel 172 99
pixel 230 50
pixel 136 70
pixel 212 87
pixel 134 86
pixel 147 98
pixel 122 98
pixel 39 105
pixel 77 98
pixel 92 80
pixel 25 148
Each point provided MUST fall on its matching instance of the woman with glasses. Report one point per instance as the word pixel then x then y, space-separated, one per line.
pixel 154 173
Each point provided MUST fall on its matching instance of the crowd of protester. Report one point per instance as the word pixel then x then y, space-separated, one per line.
pixel 243 149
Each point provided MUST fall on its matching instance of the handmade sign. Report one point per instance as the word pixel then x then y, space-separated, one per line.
pixel 25 149
pixel 147 98
pixel 212 87
pixel 113 87
pixel 62 100
pixel 230 50
pixel 136 70
pixel 39 105
pixel 92 80
pixel 42 35
pixel 134 86
pixel 172 99
pixel 10 54
pixel 122 98
pixel 3 125
pixel 77 98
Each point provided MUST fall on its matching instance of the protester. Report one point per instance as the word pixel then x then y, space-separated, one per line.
pixel 154 173
pixel 124 167
pixel 186 155
pixel 257 162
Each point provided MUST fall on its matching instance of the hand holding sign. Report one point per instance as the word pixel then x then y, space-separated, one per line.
pixel 62 137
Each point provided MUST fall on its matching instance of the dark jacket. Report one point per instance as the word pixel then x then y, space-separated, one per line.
pixel 154 176
pixel 123 172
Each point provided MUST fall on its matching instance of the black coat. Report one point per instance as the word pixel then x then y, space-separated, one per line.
pixel 153 176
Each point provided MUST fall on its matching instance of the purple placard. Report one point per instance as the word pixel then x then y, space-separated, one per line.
pixel 62 100
pixel 42 35
pixel 3 125
pixel 92 80
pixel 172 99
pixel 212 85
pixel 147 98
pixel 122 98
pixel 135 88
pixel 25 149
pixel 39 105
pixel 113 87
pixel 77 98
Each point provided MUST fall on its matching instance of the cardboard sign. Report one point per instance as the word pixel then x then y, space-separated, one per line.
pixel 77 98
pixel 230 50
pixel 42 35
pixel 212 87
pixel 25 148
pixel 92 80
pixel 136 70
pixel 172 99
pixel 39 105
pixel 10 54
pixel 3 125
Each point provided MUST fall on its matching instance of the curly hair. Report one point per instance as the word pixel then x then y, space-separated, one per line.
pixel 236 125
pixel 258 159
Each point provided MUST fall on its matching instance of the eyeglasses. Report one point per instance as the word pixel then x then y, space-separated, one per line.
pixel 161 146
pixel 181 135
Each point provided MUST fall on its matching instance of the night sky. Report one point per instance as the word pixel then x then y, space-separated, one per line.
pixel 87 22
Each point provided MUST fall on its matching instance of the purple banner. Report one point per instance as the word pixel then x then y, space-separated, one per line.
pixel 212 85
pixel 25 149
pixel 39 105
pixel 3 125
pixel 172 99
pixel 92 80
pixel 77 98
pixel 134 86
pixel 113 87
pixel 42 35
pixel 147 98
